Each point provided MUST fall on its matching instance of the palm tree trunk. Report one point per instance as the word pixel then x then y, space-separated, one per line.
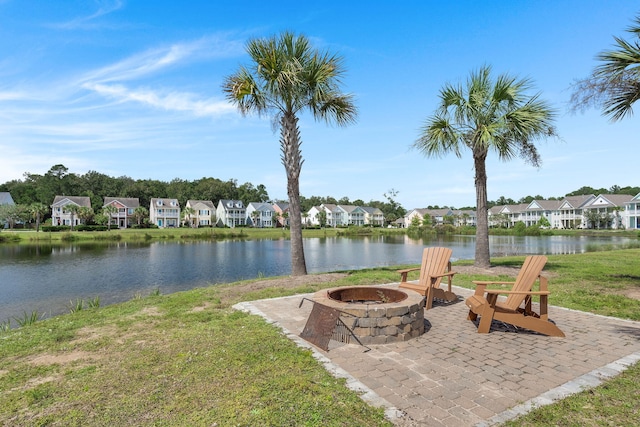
pixel 482 256
pixel 292 161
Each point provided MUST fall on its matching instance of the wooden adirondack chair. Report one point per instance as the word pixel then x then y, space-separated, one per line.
pixel 436 264
pixel 484 302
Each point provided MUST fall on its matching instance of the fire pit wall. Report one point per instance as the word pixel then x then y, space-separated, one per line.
pixel 395 316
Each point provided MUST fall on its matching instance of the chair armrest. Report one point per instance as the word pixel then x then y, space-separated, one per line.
pixel 482 282
pixel 505 292
pixel 403 273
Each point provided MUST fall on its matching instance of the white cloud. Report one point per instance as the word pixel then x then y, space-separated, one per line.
pixel 174 101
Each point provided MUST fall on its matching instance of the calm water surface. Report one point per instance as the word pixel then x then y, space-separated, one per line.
pixel 46 278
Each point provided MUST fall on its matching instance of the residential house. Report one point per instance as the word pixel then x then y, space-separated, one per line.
pixel 334 215
pixel 438 216
pixel 201 213
pixel 61 214
pixel 123 217
pixel 373 216
pixel 538 209
pixel 466 217
pixel 164 213
pixel 313 216
pixel 351 215
pixel 608 209
pixel 5 199
pixel 506 215
pixel 570 212
pixel 281 213
pixel 632 211
pixel 230 213
pixel 260 215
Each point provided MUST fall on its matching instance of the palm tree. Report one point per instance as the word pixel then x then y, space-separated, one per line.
pixel 72 209
pixel 38 210
pixel 140 213
pixel 286 77
pixel 615 83
pixel 109 211
pixel 187 214
pixel 255 218
pixel 486 115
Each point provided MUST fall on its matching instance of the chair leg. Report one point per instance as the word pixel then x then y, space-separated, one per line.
pixel 429 296
pixel 485 319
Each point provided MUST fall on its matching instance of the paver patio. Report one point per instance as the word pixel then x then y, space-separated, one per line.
pixel 453 376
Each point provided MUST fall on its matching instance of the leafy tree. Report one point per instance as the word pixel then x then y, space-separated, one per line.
pixel 322 218
pixel 544 222
pixel 392 210
pixel 614 85
pixel 488 114
pixel 286 77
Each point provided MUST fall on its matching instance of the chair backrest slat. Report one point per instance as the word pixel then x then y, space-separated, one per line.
pixel 527 276
pixel 434 262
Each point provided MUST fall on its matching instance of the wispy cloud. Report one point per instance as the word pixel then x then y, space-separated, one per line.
pixel 109 81
pixel 105 7
pixel 176 101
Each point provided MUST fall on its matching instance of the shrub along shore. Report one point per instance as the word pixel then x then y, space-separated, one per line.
pixel 189 359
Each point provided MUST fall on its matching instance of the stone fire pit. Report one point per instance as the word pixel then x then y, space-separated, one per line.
pixel 378 315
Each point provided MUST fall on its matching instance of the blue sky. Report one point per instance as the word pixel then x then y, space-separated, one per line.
pixel 134 89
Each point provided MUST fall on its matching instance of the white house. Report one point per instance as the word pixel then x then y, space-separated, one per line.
pixel 201 215
pixel 230 213
pixel 351 215
pixel 610 208
pixel 570 211
pixel 373 216
pixel 260 215
pixel 164 212
pixel 61 214
pixel 632 211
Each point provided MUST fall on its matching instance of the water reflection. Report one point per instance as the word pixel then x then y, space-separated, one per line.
pixel 47 277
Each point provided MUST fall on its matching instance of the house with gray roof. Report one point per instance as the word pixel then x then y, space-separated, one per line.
pixel 5 199
pixel 61 214
pixel 164 212
pixel 632 213
pixel 260 215
pixel 123 216
pixel 230 213
pixel 606 211
pixel 373 216
pixel 203 213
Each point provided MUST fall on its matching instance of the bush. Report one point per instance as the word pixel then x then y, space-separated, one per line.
pixel 55 228
pixel 91 228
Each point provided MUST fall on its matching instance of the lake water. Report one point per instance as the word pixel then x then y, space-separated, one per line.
pixel 46 278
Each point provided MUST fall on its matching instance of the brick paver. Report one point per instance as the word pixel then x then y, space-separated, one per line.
pixel 452 375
